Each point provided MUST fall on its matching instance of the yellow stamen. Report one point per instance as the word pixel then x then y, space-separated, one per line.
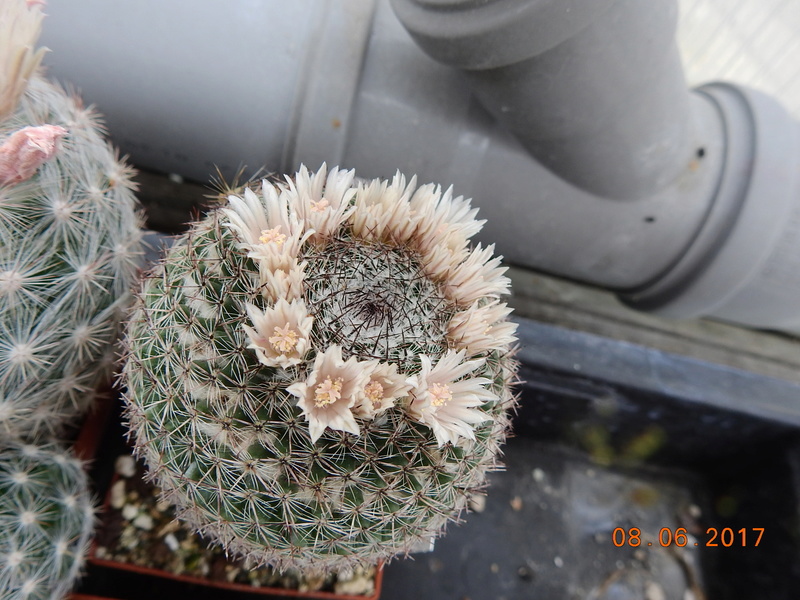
pixel 374 393
pixel 284 340
pixel 318 207
pixel 272 235
pixel 440 394
pixel 328 392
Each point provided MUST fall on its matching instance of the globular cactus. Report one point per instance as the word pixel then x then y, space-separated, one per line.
pixel 319 376
pixel 46 521
pixel 69 240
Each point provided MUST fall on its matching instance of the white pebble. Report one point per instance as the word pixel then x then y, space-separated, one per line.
pixel 118 494
pixel 653 591
pixel 558 561
pixel 129 512
pixel 125 465
pixel 538 475
pixel 357 586
pixel 143 521
pixel 172 542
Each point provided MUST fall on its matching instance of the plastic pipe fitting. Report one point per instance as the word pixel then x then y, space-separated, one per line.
pixel 593 90
pixel 743 265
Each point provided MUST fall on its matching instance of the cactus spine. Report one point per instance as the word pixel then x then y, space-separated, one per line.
pixel 70 239
pixel 319 376
pixel 46 520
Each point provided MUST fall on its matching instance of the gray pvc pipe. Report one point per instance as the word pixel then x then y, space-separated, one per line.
pixel 277 84
pixel 266 82
pixel 593 90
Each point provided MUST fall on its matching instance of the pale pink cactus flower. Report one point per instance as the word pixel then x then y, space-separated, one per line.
pixel 280 333
pixel 384 387
pixel 24 151
pixel 330 392
pixel 448 401
pixel 20 26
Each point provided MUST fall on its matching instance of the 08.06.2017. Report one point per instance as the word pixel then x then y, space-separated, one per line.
pixel 725 537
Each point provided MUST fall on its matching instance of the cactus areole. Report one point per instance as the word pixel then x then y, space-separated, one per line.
pixel 319 375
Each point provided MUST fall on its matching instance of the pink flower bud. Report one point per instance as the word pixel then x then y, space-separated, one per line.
pixel 26 150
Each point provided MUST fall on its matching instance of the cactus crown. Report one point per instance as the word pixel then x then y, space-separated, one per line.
pixel 46 520
pixel 375 301
pixel 319 377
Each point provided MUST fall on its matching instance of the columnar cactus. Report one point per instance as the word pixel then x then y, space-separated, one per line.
pixel 70 239
pixel 46 521
pixel 320 376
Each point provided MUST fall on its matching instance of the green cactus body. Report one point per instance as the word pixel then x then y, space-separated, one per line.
pixel 319 377
pixel 69 245
pixel 46 521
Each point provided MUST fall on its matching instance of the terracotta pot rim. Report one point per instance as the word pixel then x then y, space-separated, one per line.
pixel 238 587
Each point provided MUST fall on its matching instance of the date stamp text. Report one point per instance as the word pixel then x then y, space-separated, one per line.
pixel 726 537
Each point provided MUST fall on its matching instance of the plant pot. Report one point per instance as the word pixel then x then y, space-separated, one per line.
pixel 101 442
